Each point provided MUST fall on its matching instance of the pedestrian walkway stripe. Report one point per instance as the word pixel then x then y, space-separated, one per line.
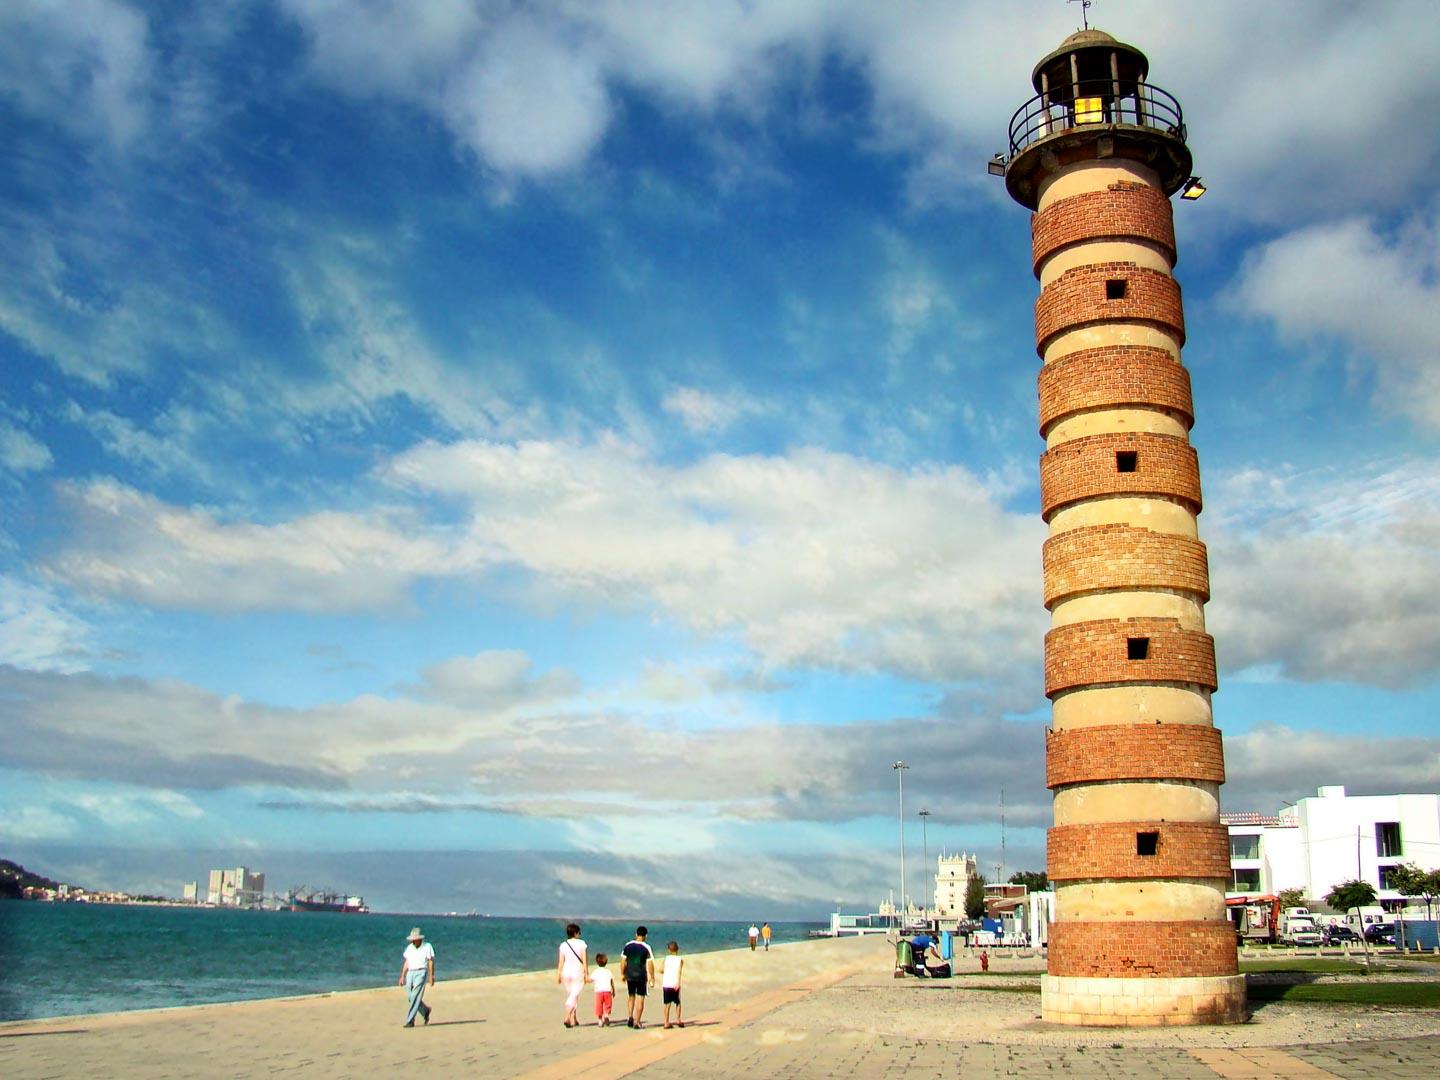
pixel 624 1056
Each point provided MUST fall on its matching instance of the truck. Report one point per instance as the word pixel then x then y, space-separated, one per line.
pixel 1298 927
pixel 1362 919
pixel 1256 918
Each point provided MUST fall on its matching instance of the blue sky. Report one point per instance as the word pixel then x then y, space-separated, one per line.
pixel 585 444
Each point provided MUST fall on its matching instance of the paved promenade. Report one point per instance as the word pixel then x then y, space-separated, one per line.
pixel 817 1009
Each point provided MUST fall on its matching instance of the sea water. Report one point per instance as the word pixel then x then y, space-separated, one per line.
pixel 62 959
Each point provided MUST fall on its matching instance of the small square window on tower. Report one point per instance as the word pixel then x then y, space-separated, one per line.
pixel 1127 460
pixel 1115 289
pixel 1147 843
pixel 1137 648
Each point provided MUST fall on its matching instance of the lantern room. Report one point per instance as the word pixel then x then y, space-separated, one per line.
pixel 1094 101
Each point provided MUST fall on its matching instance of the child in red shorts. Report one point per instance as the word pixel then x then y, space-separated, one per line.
pixel 604 989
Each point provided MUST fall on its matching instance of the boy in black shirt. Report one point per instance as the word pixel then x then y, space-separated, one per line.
pixel 639 972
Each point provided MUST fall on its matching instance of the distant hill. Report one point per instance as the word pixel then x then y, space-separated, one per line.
pixel 14 877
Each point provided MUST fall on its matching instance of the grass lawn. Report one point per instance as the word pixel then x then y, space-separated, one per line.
pixel 1315 965
pixel 1417 995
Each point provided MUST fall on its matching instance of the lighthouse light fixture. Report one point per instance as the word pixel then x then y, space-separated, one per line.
pixel 1089 110
pixel 1193 189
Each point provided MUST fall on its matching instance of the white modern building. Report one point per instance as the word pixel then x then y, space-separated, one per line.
pixel 1320 841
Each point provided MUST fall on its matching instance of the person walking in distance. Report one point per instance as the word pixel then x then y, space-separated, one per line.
pixel 670 983
pixel 417 970
pixel 765 936
pixel 572 968
pixel 754 936
pixel 639 974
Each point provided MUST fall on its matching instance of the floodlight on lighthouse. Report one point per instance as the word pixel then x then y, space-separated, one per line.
pixel 996 165
pixel 1193 189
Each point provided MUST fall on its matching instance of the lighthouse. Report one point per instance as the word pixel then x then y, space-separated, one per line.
pixel 1137 854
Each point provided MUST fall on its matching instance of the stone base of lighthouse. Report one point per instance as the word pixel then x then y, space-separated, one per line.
pixel 1090 1002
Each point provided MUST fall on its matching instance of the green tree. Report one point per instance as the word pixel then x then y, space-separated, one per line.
pixel 1409 880
pixel 1291 898
pixel 1034 880
pixel 1352 896
pixel 975 897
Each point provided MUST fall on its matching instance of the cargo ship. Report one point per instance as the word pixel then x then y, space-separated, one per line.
pixel 318 900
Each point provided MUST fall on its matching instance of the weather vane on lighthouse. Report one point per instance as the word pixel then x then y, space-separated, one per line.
pixel 1084 11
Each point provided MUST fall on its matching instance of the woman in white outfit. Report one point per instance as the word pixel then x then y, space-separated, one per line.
pixel 572 969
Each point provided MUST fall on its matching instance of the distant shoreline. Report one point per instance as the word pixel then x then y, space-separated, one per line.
pixel 564 918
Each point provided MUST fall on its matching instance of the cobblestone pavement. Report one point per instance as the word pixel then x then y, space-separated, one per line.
pixel 768 1049
pixel 1390 1058
pixel 821 1010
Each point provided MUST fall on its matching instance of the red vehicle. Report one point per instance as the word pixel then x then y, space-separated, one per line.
pixel 1256 918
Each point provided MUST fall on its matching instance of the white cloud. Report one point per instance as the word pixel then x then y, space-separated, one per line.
pixel 702 411
pixel 1328 576
pixel 83 64
pixel 20 824
pixel 528 92
pixel 529 102
pixel 171 449
pixel 1373 292
pixel 1275 114
pixel 21 452
pixel 136 809
pixel 347 289
pixel 1273 764
pixel 814 558
pixel 133 546
pixel 533 89
pixel 36 632
pixel 492 680
pixel 526 751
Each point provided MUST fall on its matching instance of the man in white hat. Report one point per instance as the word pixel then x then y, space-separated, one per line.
pixel 417 971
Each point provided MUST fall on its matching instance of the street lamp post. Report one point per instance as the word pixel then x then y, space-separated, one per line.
pixel 900 768
pixel 925 843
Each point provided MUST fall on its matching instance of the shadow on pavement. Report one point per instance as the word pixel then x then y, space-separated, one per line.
pixel 33 1034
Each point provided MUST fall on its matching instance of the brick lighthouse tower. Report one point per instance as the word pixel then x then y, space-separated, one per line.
pixel 1138 857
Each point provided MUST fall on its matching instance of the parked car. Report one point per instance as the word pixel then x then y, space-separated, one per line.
pixel 1340 935
pixel 1380 934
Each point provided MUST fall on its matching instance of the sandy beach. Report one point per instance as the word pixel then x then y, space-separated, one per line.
pixel 817 1008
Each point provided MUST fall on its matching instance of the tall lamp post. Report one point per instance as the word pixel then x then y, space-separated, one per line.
pixel 900 768
pixel 925 845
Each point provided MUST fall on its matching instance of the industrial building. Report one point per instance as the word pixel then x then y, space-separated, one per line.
pixel 235 888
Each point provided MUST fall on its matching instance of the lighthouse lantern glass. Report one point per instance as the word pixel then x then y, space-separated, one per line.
pixel 1089 110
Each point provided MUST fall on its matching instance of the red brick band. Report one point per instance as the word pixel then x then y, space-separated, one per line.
pixel 1134 752
pixel 1143 950
pixel 1095 557
pixel 1110 850
pixel 1091 466
pixel 1124 211
pixel 1078 297
pixel 1097 652
pixel 1112 377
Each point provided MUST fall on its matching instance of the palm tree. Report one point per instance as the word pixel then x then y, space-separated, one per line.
pixel 1353 895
